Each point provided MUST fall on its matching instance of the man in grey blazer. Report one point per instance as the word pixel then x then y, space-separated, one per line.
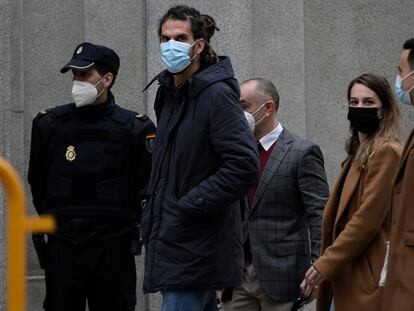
pixel 282 216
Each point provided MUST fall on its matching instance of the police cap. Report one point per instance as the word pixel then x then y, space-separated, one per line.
pixel 87 55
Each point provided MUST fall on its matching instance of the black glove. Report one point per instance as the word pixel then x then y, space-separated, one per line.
pixel 40 247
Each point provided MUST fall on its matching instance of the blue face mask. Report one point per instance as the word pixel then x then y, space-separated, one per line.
pixel 403 96
pixel 175 55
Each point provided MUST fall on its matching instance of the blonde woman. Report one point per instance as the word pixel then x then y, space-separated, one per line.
pixel 355 221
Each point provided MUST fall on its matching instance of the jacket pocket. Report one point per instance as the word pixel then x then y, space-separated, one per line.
pixel 193 204
pixel 409 239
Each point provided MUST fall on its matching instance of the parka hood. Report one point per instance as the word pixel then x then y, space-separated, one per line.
pixel 221 71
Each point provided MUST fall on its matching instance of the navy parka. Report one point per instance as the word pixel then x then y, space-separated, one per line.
pixel 204 161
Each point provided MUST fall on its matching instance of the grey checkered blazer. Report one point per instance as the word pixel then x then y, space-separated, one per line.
pixel 284 222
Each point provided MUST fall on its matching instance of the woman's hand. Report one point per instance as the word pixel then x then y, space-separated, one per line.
pixel 310 284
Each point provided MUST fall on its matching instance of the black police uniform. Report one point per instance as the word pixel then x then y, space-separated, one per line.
pixel 87 167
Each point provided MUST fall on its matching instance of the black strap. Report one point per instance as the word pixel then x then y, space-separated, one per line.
pixel 152 81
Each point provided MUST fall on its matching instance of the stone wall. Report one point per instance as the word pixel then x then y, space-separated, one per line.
pixel 309 49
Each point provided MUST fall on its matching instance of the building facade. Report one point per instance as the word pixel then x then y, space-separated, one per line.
pixel 310 49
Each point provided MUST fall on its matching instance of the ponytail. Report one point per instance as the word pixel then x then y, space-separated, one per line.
pixel 208 56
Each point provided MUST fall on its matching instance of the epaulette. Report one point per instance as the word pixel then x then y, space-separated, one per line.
pixel 141 116
pixel 44 112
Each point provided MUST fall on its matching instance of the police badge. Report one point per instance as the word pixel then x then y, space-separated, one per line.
pixel 70 153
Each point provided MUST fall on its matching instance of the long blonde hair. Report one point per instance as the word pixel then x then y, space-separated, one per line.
pixel 389 128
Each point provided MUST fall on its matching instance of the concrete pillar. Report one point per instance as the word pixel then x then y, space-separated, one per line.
pixel 278 37
pixel 5 12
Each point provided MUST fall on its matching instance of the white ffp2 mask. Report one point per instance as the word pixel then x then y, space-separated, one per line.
pixel 85 93
pixel 251 120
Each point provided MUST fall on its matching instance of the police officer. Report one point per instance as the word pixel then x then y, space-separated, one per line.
pixel 89 160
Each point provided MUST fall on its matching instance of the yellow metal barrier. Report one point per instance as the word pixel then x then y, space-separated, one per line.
pixel 18 225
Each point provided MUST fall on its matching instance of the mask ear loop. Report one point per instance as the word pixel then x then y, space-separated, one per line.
pixel 410 89
pixel 102 88
pixel 409 74
pixel 262 118
pixel 195 54
pixel 402 79
pixel 261 106
pixel 98 82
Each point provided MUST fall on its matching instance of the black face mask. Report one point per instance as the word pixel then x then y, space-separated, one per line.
pixel 364 120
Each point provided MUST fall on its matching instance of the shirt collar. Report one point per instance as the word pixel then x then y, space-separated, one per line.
pixel 270 138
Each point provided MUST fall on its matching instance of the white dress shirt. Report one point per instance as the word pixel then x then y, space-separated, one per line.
pixel 270 138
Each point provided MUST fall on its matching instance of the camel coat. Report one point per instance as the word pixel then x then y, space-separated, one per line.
pixel 399 285
pixel 355 231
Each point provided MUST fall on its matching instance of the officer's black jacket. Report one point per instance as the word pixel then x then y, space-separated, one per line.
pixel 89 161
pixel 205 159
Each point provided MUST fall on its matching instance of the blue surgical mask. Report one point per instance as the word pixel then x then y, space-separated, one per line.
pixel 175 55
pixel 403 96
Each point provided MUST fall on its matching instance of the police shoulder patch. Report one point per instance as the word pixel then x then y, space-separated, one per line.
pixel 141 116
pixel 44 112
pixel 149 142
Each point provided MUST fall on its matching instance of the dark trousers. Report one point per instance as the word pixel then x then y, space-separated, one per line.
pixel 101 274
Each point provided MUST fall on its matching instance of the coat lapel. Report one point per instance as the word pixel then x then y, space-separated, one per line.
pixel 331 208
pixel 279 152
pixel 350 183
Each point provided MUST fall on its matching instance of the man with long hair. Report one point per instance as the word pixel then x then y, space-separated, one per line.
pixel 204 161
